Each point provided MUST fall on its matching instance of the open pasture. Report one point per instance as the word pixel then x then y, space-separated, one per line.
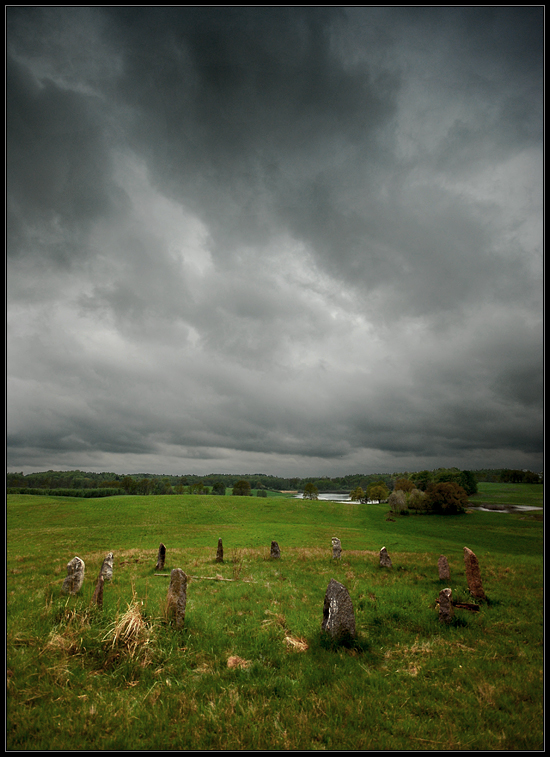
pixel 251 670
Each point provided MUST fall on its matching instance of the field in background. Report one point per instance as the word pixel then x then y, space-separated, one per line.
pixel 250 669
pixel 508 494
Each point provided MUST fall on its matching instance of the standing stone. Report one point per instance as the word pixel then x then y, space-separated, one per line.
pixel 336 548
pixel 176 599
pixel 446 610
pixel 443 568
pixel 473 574
pixel 275 551
pixel 219 553
pixel 338 615
pixel 107 567
pixel 75 576
pixel 385 561
pixel 97 598
pixel 161 557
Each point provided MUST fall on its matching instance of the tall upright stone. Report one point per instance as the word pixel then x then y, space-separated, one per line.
pixel 385 560
pixel 219 553
pixel 446 610
pixel 161 557
pixel 107 567
pixel 338 615
pixel 97 598
pixel 443 568
pixel 473 574
pixel 75 576
pixel 275 551
pixel 176 599
pixel 336 548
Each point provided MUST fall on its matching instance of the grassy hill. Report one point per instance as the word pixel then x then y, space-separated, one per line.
pixel 251 668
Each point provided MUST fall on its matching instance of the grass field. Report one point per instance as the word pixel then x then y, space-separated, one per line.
pixel 251 669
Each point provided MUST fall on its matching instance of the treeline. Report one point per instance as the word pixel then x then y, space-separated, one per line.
pixel 87 493
pixel 108 483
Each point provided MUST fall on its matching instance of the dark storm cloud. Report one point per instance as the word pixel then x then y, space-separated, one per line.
pixel 274 235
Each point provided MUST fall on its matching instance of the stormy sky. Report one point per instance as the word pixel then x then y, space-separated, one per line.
pixel 296 241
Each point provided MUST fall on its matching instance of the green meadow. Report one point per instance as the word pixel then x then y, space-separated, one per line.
pixel 251 669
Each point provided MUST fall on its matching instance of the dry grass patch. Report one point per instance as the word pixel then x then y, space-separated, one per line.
pixel 238 662
pixel 296 644
pixel 130 635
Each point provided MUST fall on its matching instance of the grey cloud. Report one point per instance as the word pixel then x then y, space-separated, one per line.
pixel 282 235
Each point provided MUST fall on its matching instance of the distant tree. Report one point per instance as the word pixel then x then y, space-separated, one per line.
pixel 310 491
pixel 417 501
pixel 377 491
pixel 129 485
pixel 468 482
pixel 447 498
pixel 242 488
pixel 397 501
pixel 403 484
pixel 261 493
pixel 219 488
pixel 421 479
pixel 145 486
pixel 357 495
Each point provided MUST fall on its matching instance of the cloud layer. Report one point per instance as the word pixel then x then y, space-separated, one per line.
pixel 284 240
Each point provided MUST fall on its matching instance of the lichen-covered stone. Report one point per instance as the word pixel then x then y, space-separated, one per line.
pixel 385 560
pixel 336 548
pixel 75 576
pixel 446 610
pixel 473 574
pixel 338 615
pixel 443 568
pixel 107 567
pixel 176 599
pixel 219 553
pixel 275 552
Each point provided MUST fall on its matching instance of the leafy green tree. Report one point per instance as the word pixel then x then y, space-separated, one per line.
pixel 397 501
pixel 357 495
pixel 468 482
pixel 447 498
pixel 310 491
pixel 129 485
pixel 417 501
pixel 377 491
pixel 242 488
pixel 422 479
pixel 219 488
pixel 403 484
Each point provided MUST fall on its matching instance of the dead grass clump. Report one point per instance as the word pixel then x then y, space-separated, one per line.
pixel 296 644
pixel 237 662
pixel 130 635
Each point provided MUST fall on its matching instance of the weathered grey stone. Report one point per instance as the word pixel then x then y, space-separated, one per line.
pixel 75 576
pixel 275 551
pixel 176 599
pixel 385 561
pixel 107 567
pixel 336 548
pixel 219 553
pixel 473 574
pixel 338 616
pixel 161 557
pixel 97 598
pixel 446 610
pixel 443 568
